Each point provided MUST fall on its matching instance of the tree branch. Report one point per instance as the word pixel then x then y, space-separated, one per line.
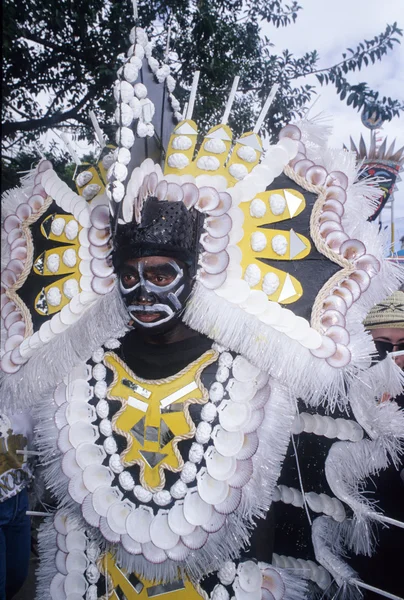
pixel 11 127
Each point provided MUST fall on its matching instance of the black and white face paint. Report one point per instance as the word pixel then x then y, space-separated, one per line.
pixel 154 290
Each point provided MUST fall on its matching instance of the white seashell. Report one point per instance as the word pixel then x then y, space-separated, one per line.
pixel 231 503
pixel 227 443
pixel 216 392
pixel 279 244
pixel 77 489
pixel 100 389
pixel 117 515
pixel 122 155
pixel 91 190
pixel 111 447
pixel 247 153
pixel 258 241
pixel 182 142
pixel 140 91
pixel 216 522
pixel 162 498
pixel 225 358
pixel 103 498
pixel 241 391
pixel 116 171
pixel 130 72
pixel 161 533
pixel 208 163
pixel 130 546
pixel 188 472
pixel 179 489
pixel 270 283
pixel 53 296
pixel 277 204
pixel 227 572
pixel 95 476
pixel 83 178
pixel 70 288
pixel 126 481
pixel 178 160
pixel 179 552
pixel 257 208
pixel 244 370
pixel 222 374
pixel 125 137
pixel 69 258
pixel 107 532
pixel 53 262
pixel 249 576
pixel 215 146
pixel 92 575
pixel 249 447
pixel 208 412
pixel 196 539
pixel 203 432
pixel 81 432
pixel 99 372
pixel 196 453
pixel 58 225
pixel 153 554
pixel 238 171
pixel 196 511
pixel 233 415
pixel 218 466
pixel 71 229
pixel 252 275
pixel 138 524
pixel 115 463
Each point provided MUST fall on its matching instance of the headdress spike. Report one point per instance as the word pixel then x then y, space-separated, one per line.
pixel 230 101
pixel 192 96
pixel 266 106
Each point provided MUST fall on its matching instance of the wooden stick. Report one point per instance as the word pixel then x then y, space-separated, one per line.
pixel 265 108
pixel 70 148
pixel 365 586
pixel 97 128
pixel 36 513
pixel 230 101
pixel 192 96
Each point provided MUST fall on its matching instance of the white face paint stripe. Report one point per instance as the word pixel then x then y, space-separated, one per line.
pixel 178 394
pixel 139 404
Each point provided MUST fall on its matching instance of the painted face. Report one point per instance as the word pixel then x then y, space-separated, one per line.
pixel 155 290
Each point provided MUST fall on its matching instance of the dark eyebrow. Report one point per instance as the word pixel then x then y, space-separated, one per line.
pixel 160 270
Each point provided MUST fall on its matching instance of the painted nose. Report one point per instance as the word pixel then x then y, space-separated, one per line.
pixel 142 296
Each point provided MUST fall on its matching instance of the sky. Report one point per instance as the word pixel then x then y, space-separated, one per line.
pixel 330 26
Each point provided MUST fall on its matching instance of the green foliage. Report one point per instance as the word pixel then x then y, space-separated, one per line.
pixel 70 50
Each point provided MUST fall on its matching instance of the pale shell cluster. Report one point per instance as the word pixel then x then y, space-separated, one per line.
pixel 341 429
pixel 249 580
pixel 91 226
pixel 75 561
pixel 14 273
pixel 133 105
pixel 199 502
pixel 335 336
pixel 319 503
pixel 312 570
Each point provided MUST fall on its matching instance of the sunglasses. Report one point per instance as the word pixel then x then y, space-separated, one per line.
pixel 384 348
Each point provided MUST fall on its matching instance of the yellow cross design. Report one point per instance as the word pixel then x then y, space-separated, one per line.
pixel 134 587
pixel 154 416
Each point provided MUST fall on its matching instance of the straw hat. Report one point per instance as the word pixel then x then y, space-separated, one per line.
pixel 389 313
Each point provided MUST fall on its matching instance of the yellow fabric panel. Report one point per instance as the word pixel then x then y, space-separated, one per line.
pixel 185 125
pixel 142 589
pixel 150 408
pixel 251 223
pixel 58 284
pixel 60 238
